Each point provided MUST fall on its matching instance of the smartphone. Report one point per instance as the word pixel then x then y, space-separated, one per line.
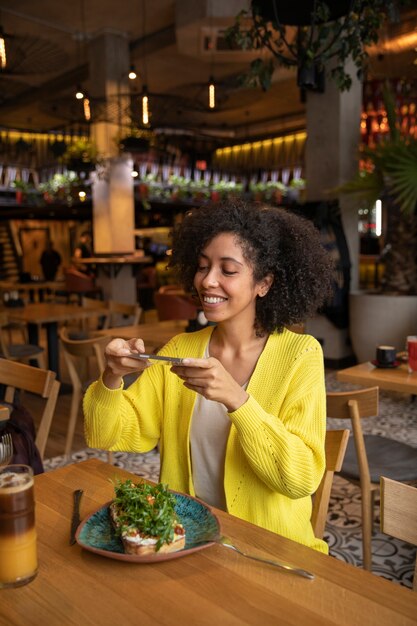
pixel 169 360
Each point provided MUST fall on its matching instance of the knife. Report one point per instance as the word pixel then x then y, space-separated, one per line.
pixel 75 520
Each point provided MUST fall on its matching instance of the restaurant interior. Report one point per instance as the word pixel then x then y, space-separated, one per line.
pixel 116 119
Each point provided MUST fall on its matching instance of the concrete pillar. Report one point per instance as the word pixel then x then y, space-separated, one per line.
pixel 113 193
pixel 333 135
pixel 109 67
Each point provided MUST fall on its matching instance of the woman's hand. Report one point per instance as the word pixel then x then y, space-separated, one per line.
pixel 118 363
pixel 209 378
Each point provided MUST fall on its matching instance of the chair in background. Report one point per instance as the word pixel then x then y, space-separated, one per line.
pixel 78 285
pixel 336 442
pixel 399 513
pixel 18 376
pixel 175 289
pixel 102 320
pixel 19 351
pixel 122 314
pixel 76 353
pixel 174 307
pixel 369 456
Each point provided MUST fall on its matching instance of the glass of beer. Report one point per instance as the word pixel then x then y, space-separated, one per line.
pixel 18 554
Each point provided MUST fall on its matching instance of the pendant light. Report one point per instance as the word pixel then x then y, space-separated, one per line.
pixel 211 93
pixel 3 56
pixel 145 95
pixel 211 83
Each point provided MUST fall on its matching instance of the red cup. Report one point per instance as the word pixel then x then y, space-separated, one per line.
pixel 412 353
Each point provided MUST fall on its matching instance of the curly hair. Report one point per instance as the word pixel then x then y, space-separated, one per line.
pixel 274 241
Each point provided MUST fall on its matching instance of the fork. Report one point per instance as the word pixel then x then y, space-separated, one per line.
pixel 6 449
pixel 226 543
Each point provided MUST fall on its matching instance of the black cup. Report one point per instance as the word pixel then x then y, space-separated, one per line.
pixel 385 355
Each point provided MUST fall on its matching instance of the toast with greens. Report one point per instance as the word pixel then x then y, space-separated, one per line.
pixel 144 517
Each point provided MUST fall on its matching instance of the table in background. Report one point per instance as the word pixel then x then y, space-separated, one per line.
pixel 116 275
pixel 392 379
pixel 154 334
pixel 49 314
pixel 34 289
pixel 212 586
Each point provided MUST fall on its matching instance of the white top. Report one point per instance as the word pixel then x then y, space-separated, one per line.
pixel 210 426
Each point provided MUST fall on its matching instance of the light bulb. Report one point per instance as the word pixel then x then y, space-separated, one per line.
pixel 132 74
pixel 79 93
pixel 3 59
pixel 87 109
pixel 135 174
pixel 82 196
pixel 212 93
pixel 145 106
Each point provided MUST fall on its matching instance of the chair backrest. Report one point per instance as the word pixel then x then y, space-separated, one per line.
pixel 120 310
pixel 77 282
pixel 336 442
pixel 41 382
pixel 82 348
pixel 175 289
pixel 399 513
pixel 174 307
pixel 102 320
pixel 3 343
pixel 355 405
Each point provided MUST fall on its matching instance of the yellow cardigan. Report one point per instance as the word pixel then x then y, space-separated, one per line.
pixel 275 451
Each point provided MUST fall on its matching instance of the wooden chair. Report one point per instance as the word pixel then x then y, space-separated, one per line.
pixel 336 442
pixel 75 351
pixel 101 321
pixel 399 513
pixel 174 307
pixel 369 456
pixel 128 314
pixel 18 376
pixel 19 351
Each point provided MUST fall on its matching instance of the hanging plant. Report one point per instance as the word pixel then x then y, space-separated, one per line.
pixel 81 156
pixel 58 148
pixel 307 35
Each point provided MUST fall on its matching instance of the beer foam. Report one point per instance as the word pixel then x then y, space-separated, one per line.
pixel 14 482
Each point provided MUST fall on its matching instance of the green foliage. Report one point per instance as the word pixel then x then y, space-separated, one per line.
pixel 81 149
pixel 394 173
pixel 147 508
pixel 59 182
pixel 313 45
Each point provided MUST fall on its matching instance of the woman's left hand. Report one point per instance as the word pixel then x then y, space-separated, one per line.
pixel 209 378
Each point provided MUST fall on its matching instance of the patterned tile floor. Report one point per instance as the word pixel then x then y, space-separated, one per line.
pixel 392 558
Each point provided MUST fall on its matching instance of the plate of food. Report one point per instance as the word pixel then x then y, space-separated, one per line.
pixel 148 523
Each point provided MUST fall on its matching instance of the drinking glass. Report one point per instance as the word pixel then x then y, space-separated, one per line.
pixel 18 552
pixel 412 353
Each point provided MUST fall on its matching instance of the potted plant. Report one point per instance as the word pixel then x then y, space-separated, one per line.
pixel 81 155
pixel 392 177
pixel 60 187
pixel 308 36
pixel 22 190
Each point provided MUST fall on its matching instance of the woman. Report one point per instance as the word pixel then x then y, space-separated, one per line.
pixel 241 422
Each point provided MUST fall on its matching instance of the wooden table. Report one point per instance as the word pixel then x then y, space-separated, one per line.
pixel 154 334
pixel 35 289
pixel 213 586
pixel 367 375
pixel 49 314
pixel 116 275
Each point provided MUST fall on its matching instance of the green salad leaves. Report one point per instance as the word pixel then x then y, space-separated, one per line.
pixel 147 508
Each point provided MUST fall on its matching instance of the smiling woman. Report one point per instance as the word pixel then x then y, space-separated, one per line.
pixel 241 420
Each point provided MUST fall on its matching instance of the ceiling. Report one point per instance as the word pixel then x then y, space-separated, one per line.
pixel 49 43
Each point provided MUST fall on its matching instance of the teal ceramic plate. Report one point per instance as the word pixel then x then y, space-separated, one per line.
pixel 96 532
